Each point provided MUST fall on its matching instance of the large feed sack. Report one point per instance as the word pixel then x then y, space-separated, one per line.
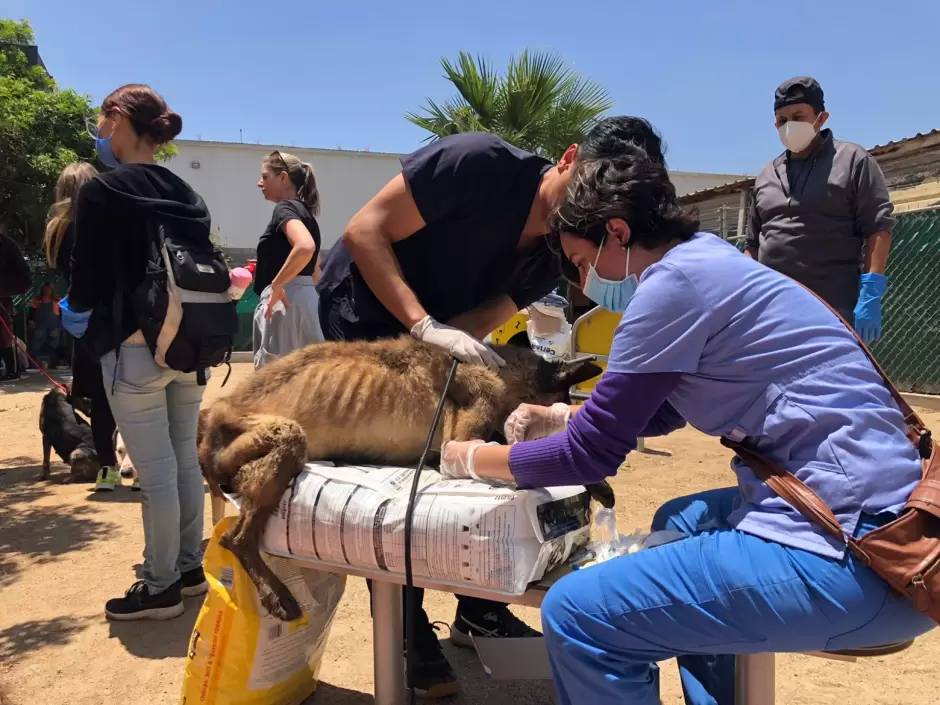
pixel 238 653
pixel 465 532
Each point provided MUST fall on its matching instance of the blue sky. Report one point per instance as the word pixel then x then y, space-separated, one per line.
pixel 343 74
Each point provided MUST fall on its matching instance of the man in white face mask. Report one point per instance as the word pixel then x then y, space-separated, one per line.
pixel 821 212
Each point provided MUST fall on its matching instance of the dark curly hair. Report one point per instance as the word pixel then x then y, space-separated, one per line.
pixel 632 187
pixel 609 137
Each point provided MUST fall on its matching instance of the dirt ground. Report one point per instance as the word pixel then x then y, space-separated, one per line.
pixel 65 550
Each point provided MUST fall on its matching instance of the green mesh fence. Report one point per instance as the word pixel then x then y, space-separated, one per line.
pixel 909 350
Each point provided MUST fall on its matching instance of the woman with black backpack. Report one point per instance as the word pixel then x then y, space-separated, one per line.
pixel 156 406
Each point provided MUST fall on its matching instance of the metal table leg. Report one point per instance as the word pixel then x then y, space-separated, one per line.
pixel 388 659
pixel 754 679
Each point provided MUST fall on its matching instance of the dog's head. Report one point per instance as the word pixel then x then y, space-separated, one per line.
pixel 84 464
pixel 531 379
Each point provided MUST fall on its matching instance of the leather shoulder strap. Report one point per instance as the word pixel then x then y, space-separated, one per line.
pixel 786 485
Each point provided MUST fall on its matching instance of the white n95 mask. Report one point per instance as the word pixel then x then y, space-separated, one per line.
pixel 797 136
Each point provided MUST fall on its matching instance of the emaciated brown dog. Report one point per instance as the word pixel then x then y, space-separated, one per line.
pixel 356 402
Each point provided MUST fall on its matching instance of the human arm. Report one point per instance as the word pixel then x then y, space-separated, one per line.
pixel 484 319
pixel 876 252
pixel 591 448
pixel 391 216
pixel 317 270
pixel 447 179
pixel 752 232
pixel 874 221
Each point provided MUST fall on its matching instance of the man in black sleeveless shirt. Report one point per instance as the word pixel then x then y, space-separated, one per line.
pixel 449 250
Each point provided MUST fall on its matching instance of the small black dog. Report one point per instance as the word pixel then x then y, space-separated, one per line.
pixel 69 435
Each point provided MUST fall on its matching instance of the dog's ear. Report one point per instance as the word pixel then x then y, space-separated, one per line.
pixel 569 373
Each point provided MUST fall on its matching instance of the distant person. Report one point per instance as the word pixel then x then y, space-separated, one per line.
pixel 287 315
pixel 821 212
pixel 15 279
pixel 156 407
pixel 86 368
pixel 44 326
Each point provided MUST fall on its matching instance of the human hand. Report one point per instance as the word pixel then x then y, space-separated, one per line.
pixel 456 343
pixel 278 296
pixel 457 459
pixel 75 322
pixel 531 421
pixel 868 309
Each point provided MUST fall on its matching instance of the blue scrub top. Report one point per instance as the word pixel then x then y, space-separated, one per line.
pixel 763 360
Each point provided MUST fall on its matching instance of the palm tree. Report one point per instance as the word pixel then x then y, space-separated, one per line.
pixel 540 105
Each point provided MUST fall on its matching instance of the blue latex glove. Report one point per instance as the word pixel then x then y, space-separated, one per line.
pixel 74 322
pixel 868 308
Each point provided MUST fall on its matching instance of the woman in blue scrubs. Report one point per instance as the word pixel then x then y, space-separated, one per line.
pixel 711 338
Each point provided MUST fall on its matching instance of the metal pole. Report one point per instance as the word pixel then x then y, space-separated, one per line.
pixel 754 679
pixel 742 212
pixel 387 639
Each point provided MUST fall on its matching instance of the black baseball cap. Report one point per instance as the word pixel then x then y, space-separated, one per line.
pixel 802 89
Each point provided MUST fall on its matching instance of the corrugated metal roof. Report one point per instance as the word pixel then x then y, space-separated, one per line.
pixel 891 146
pixel 875 151
pixel 720 190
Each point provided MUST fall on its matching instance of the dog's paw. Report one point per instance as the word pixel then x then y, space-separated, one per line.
pixel 603 494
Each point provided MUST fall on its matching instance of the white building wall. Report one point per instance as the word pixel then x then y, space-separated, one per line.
pixel 227 178
pixel 227 175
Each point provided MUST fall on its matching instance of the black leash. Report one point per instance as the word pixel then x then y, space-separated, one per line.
pixel 409 521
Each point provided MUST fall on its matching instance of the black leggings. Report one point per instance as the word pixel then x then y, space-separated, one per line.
pixel 102 428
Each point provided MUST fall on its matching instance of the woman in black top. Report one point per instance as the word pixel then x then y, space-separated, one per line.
pixel 286 317
pixel 156 407
pixel 86 368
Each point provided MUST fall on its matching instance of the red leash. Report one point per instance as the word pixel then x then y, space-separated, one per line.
pixel 16 344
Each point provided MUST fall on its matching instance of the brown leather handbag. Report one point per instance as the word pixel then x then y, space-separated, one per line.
pixel 906 552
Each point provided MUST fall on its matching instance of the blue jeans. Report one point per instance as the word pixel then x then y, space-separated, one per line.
pixel 157 410
pixel 46 341
pixel 720 591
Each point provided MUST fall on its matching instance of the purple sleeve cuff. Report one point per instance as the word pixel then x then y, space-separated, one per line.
pixel 601 434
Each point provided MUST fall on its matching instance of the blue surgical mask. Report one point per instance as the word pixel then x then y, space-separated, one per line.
pixel 612 295
pixel 103 148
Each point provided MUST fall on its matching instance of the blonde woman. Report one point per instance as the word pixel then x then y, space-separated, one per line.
pixel 86 370
pixel 287 316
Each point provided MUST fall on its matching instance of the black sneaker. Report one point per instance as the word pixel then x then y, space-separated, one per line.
pixel 498 623
pixel 193 583
pixel 433 675
pixel 138 603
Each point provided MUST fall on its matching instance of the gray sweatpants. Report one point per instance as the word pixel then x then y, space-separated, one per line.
pixel 287 331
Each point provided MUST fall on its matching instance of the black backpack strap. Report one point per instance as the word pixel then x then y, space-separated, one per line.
pixel 117 309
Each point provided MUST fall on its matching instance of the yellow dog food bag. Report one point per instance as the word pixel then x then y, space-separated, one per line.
pixel 241 655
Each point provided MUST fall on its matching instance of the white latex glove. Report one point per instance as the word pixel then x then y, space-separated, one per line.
pixel 530 422
pixel 457 459
pixel 456 343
